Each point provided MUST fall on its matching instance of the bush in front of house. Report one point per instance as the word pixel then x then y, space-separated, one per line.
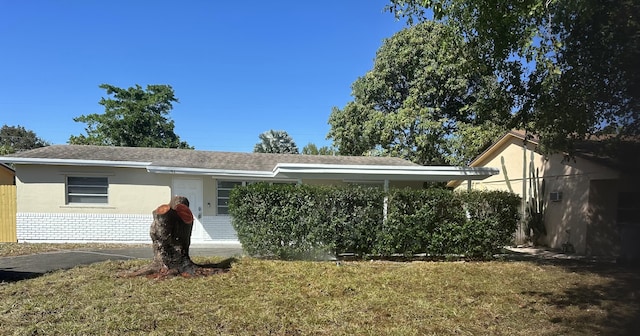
pixel 420 221
pixel 286 221
pixel 290 222
pixel 493 220
pixel 439 222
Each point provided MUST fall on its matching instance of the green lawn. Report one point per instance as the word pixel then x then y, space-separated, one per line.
pixel 16 249
pixel 260 297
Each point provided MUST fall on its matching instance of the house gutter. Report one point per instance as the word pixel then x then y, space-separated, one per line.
pixel 367 172
pixel 382 173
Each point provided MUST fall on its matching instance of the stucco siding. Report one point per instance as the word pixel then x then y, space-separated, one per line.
pixel 573 177
pixel 570 213
pixel 509 159
pixel 42 189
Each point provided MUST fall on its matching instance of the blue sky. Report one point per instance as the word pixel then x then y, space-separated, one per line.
pixel 238 68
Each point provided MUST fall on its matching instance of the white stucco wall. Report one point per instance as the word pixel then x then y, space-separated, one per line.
pixel 42 189
pixel 44 216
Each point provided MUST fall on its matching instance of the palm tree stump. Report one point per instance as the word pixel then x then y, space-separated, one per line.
pixel 171 237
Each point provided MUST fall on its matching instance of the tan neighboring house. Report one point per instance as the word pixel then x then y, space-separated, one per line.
pixel 68 193
pixel 7 175
pixel 592 201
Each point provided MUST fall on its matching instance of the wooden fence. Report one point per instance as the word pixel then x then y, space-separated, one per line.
pixel 8 213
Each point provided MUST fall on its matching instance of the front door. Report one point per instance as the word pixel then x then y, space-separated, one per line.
pixel 192 190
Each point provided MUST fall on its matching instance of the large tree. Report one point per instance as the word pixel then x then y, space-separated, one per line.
pixel 312 149
pixel 276 142
pixel 17 139
pixel 133 117
pixel 427 99
pixel 574 66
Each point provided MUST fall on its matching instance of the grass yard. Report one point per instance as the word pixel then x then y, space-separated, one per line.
pixel 260 297
pixel 16 249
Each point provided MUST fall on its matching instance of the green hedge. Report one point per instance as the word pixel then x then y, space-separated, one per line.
pixel 290 222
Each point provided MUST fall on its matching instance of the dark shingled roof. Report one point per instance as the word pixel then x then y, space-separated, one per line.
pixel 187 158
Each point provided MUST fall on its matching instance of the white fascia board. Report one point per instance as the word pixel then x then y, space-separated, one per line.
pixel 438 173
pixel 209 172
pixel 74 162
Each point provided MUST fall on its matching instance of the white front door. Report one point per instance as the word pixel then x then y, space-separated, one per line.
pixel 192 190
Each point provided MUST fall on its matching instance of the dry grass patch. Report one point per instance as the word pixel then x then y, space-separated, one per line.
pixel 16 249
pixel 259 297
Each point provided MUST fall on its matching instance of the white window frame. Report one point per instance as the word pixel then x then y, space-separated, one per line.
pixel 218 197
pixel 69 193
pixel 240 183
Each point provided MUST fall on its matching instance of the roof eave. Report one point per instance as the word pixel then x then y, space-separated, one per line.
pixel 209 172
pixel 74 162
pixel 395 173
pixel 292 170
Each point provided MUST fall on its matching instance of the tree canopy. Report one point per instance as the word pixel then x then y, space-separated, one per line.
pixel 312 149
pixel 276 142
pixel 427 99
pixel 17 139
pixel 133 117
pixel 573 67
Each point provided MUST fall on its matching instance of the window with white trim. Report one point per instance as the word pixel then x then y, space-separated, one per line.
pixel 87 190
pixel 224 190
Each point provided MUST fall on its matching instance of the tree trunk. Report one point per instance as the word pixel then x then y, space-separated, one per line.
pixel 171 237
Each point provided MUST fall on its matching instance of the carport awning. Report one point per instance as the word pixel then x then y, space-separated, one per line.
pixel 392 173
pixel 344 172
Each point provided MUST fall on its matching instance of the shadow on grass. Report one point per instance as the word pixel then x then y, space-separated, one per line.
pixel 8 275
pixel 224 264
pixel 596 309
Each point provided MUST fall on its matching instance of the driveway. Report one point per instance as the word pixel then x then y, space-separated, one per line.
pixel 31 266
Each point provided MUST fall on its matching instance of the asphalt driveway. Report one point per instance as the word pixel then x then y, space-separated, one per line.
pixel 31 266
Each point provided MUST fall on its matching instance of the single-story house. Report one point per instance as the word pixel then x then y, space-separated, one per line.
pixel 72 193
pixel 592 197
pixel 7 175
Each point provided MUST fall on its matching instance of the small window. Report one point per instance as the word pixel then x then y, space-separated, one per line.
pixel 224 189
pixel 87 190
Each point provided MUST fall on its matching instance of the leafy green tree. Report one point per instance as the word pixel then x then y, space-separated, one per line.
pixel 312 149
pixel 573 66
pixel 276 142
pixel 133 117
pixel 425 93
pixel 17 139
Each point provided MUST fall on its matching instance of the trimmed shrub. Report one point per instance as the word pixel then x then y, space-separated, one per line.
pixel 282 221
pixel 417 222
pixel 492 220
pixel 354 216
pixel 291 222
